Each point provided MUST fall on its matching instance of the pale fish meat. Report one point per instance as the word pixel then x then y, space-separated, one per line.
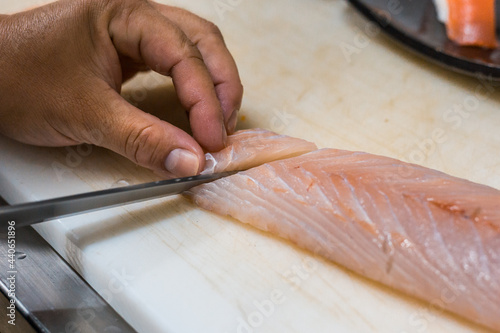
pixel 420 231
pixel 249 148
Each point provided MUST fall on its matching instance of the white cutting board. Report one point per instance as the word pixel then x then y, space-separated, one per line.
pixel 167 266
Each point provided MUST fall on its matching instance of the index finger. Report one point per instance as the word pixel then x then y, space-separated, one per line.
pixel 144 35
pixel 219 61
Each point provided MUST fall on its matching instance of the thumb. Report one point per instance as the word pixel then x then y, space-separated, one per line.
pixel 146 140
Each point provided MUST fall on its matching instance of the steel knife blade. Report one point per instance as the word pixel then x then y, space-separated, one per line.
pixel 40 211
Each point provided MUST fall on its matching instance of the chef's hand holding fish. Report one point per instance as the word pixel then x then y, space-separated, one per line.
pixel 62 66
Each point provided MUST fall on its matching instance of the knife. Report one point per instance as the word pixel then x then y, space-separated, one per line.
pixel 40 211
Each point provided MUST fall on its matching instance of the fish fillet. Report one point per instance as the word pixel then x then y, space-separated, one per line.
pixel 249 148
pixel 420 231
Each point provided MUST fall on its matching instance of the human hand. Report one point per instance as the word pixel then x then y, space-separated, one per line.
pixel 62 66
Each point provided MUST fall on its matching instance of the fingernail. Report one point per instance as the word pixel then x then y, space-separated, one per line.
pixel 233 120
pixel 182 163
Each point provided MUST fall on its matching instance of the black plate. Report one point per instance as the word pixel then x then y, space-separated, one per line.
pixel 414 23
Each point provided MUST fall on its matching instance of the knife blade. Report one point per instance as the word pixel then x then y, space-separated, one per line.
pixel 40 211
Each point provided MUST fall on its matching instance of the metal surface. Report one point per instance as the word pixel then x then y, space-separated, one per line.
pixel 48 293
pixel 30 213
pixel 415 25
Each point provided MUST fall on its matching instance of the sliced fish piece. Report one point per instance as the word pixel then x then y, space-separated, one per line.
pixel 423 232
pixel 249 148
pixel 469 22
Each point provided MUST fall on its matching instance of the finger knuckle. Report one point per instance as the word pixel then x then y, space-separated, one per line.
pixel 209 34
pixel 125 10
pixel 188 49
pixel 213 29
pixel 213 34
pixel 186 44
pixel 139 144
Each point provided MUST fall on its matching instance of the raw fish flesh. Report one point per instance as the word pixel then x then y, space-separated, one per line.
pixel 420 231
pixel 469 22
pixel 253 147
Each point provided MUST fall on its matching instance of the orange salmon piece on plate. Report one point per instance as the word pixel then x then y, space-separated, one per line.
pixel 420 231
pixel 472 22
